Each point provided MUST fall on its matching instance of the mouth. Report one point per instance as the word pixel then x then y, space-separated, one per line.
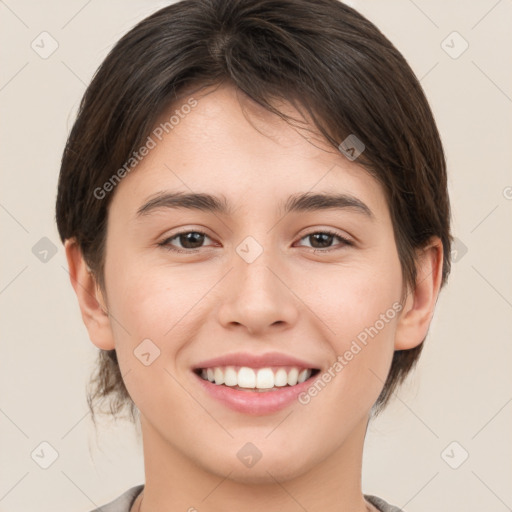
pixel 256 380
pixel 255 384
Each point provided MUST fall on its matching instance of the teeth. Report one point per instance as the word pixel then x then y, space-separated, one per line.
pixel 246 377
pixel 230 376
pixel 303 375
pixel 260 378
pixel 218 375
pixel 293 374
pixel 280 378
pixel 265 378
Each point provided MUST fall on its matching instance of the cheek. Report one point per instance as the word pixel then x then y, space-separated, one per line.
pixel 149 309
pixel 357 308
pixel 152 299
pixel 348 299
pixel 157 303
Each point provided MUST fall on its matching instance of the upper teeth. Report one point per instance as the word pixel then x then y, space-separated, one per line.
pixel 260 378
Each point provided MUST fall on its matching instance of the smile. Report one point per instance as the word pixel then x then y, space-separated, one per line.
pixel 256 379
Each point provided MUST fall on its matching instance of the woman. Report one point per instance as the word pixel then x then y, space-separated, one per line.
pixel 254 206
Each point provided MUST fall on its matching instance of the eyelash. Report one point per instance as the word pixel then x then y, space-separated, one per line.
pixel 166 245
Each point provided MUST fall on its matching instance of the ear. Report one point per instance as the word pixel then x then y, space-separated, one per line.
pixel 414 320
pixel 90 298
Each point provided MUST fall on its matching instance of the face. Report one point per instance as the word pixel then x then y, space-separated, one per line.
pixel 253 285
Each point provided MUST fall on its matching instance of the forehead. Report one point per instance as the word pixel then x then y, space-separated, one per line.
pixel 227 145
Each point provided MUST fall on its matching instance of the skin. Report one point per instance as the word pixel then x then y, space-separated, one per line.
pixel 290 299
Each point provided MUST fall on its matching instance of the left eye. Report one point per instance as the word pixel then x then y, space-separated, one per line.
pixel 324 239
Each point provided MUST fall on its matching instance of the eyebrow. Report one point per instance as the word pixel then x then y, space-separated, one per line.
pixel 302 202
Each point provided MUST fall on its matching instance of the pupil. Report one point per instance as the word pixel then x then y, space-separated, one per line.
pixel 187 240
pixel 325 237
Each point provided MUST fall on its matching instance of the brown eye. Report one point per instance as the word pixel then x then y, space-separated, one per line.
pixel 189 241
pixel 323 239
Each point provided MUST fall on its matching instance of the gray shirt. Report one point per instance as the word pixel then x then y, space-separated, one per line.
pixel 124 502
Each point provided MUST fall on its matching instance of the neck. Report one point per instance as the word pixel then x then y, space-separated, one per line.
pixel 175 482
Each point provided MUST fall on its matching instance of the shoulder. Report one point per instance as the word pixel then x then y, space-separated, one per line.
pixel 125 501
pixel 122 503
pixel 382 505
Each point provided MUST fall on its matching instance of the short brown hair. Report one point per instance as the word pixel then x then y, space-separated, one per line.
pixel 320 55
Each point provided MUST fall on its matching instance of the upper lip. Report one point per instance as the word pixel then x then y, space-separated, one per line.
pixel 255 361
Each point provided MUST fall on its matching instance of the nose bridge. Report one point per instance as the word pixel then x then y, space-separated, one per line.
pixel 255 277
pixel 256 282
pixel 257 297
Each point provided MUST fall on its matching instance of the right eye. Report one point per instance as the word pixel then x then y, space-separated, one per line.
pixel 190 241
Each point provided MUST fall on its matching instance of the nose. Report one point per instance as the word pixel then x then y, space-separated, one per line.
pixel 258 297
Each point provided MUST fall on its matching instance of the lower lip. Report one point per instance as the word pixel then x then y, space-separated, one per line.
pixel 254 402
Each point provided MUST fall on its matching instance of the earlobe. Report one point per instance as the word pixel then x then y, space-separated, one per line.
pixel 90 298
pixel 414 321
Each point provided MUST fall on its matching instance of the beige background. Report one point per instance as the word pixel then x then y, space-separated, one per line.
pixel 461 390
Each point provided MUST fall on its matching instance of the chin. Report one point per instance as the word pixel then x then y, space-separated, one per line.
pixel 268 469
